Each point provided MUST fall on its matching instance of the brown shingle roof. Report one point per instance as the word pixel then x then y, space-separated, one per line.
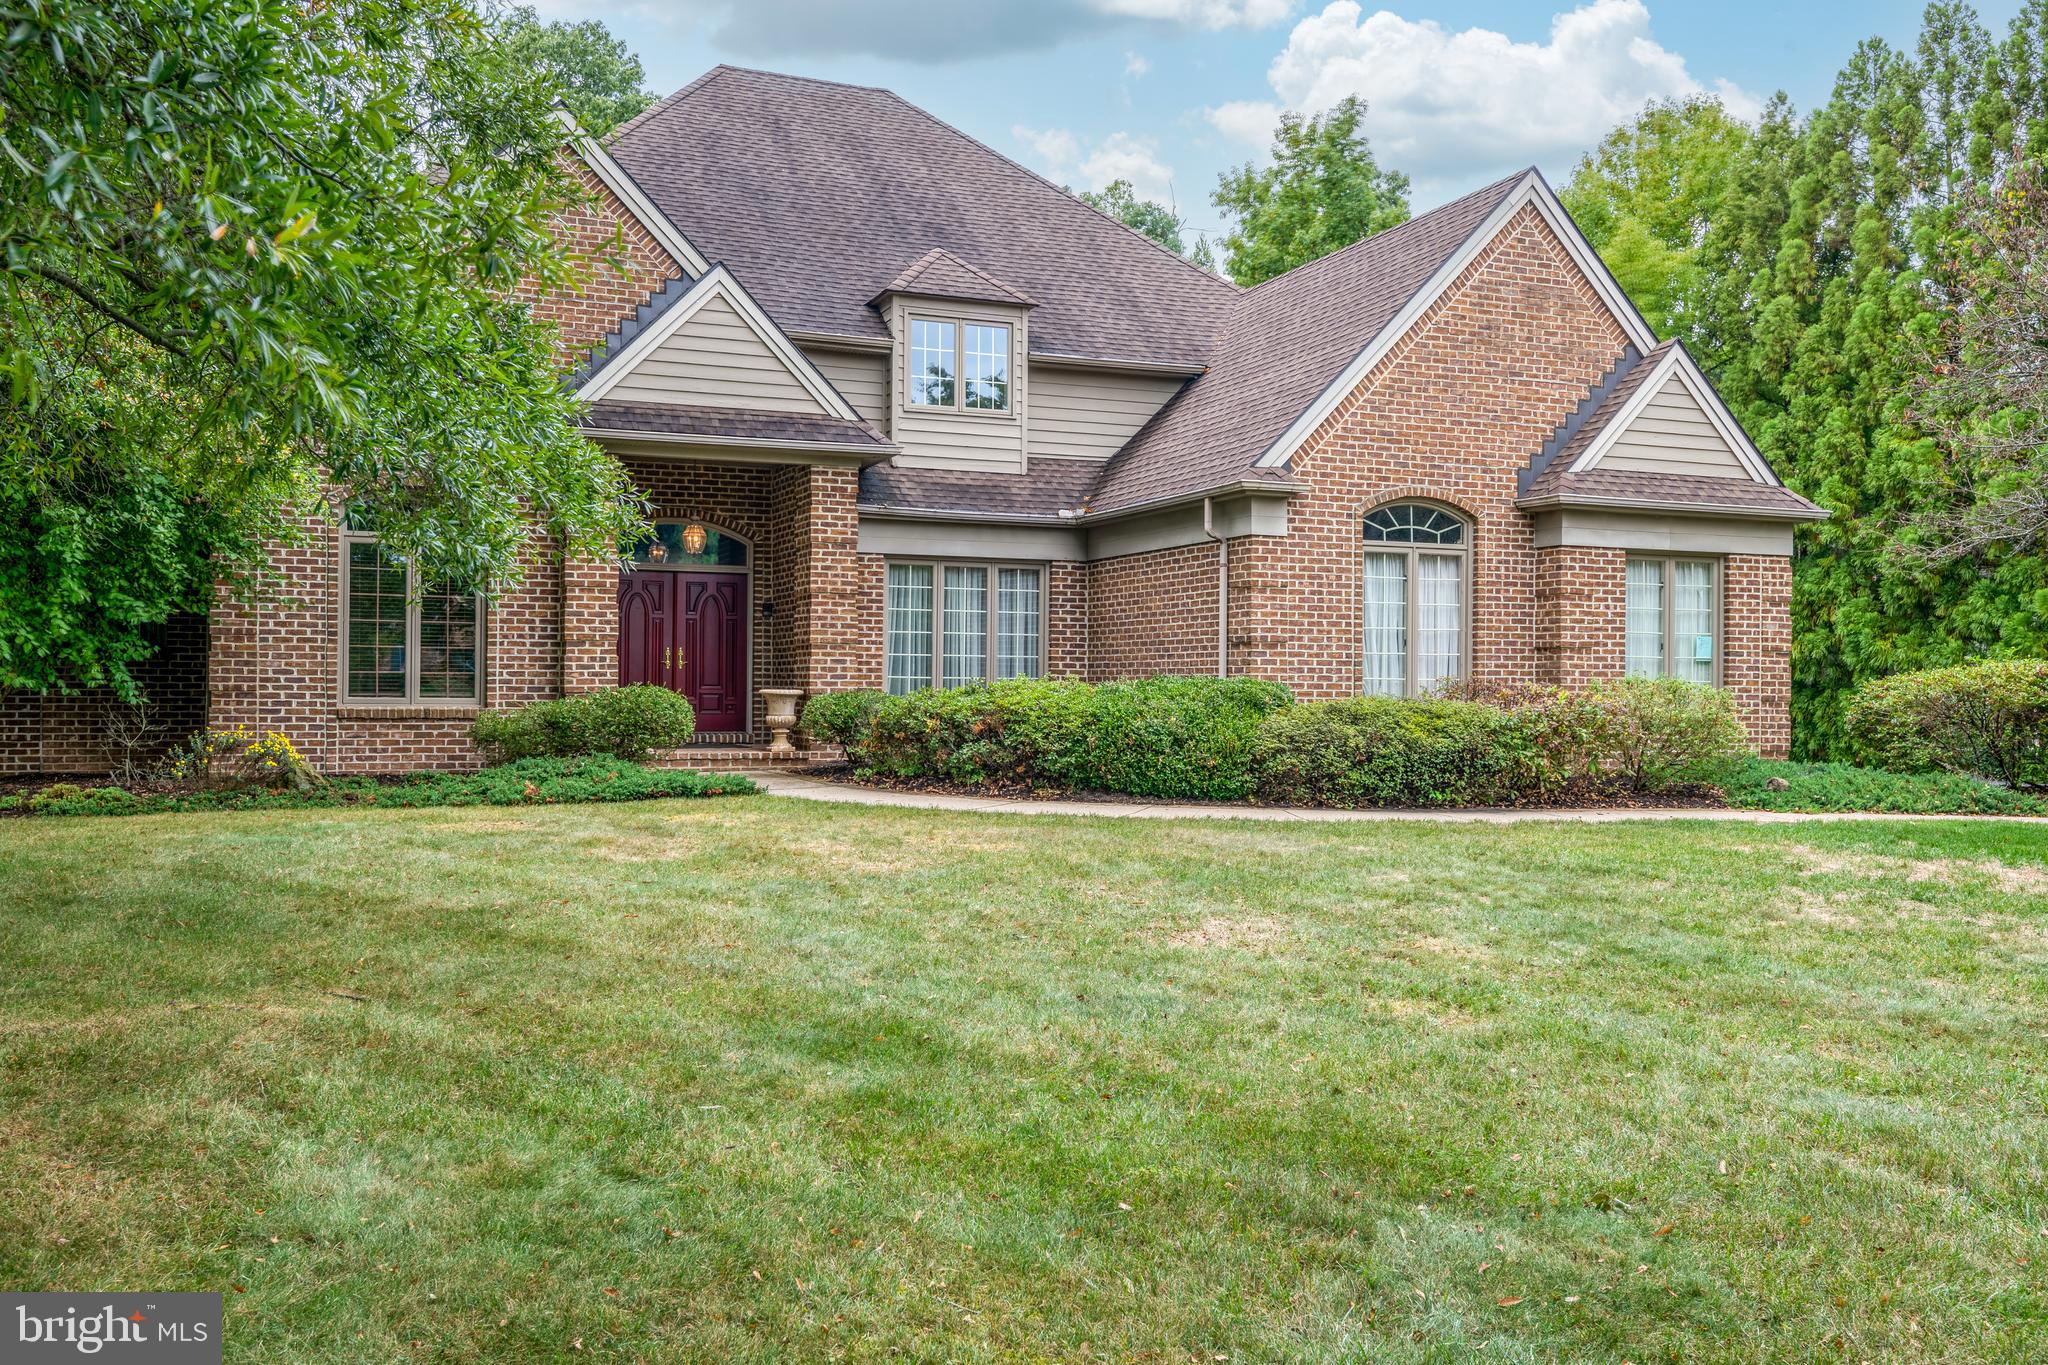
pixel 942 275
pixel 744 424
pixel 1742 496
pixel 816 192
pixel 1053 486
pixel 1284 343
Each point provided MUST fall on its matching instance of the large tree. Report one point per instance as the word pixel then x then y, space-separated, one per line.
pixel 1322 190
pixel 252 250
pixel 1647 194
pixel 1839 253
pixel 599 78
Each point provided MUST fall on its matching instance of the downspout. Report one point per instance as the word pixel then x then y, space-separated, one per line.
pixel 1222 589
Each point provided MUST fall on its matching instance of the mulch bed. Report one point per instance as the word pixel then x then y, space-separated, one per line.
pixel 1690 796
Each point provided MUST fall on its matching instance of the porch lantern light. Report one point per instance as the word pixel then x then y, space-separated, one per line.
pixel 656 551
pixel 693 539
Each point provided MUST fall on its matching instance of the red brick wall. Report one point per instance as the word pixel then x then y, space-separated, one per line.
pixel 622 266
pixel 1154 612
pixel 1066 619
pixel 72 733
pixel 276 664
pixel 1452 414
pixel 1581 602
pixel 1756 649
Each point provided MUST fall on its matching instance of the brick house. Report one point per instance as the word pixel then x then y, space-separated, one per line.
pixel 909 415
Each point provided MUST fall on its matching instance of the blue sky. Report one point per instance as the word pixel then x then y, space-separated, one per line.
pixel 1169 93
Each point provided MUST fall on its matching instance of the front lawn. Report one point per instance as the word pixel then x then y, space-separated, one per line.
pixel 760 1079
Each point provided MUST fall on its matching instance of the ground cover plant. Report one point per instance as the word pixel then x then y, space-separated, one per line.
pixel 529 781
pixel 1846 787
pixel 766 1080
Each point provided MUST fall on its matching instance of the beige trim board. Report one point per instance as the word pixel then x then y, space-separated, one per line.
pixel 939 538
pixel 1172 527
pixel 1615 529
pixel 735 450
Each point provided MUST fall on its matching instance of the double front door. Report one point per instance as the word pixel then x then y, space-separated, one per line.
pixel 688 632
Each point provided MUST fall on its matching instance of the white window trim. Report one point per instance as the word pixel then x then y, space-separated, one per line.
pixel 1716 591
pixel 1413 549
pixel 938 638
pixel 960 322
pixel 412 697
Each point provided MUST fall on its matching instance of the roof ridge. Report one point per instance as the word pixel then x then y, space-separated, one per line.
pixel 1382 236
pixel 1015 164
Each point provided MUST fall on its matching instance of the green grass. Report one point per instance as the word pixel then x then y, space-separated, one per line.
pixel 1844 787
pixel 769 1080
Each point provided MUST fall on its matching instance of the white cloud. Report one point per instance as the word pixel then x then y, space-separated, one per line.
pixel 1250 122
pixel 1136 67
pixel 1448 106
pixel 1061 156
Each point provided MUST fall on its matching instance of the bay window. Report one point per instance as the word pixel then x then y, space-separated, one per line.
pixel 1673 619
pixel 403 640
pixel 949 625
pixel 1414 599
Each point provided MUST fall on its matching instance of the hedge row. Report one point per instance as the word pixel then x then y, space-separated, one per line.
pixel 1987 719
pixel 528 782
pixel 619 722
pixel 1229 739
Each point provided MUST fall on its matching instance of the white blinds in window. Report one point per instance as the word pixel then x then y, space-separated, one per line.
pixel 1386 625
pixel 909 628
pixel 1692 620
pixel 1017 646
pixel 1645 627
pixel 1439 619
pixel 966 626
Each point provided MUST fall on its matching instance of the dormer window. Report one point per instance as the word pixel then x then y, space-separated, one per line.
pixel 960 365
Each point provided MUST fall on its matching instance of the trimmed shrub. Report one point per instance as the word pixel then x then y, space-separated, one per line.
pixel 622 722
pixel 1180 738
pixel 1988 718
pixel 840 717
pixel 1640 734
pixel 1378 751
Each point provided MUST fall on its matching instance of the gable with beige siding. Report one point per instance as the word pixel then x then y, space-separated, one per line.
pixel 1673 435
pixel 862 378
pixel 716 358
pixel 1090 414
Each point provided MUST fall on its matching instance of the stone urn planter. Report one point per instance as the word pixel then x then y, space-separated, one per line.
pixel 781 703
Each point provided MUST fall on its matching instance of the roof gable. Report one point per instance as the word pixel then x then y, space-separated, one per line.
pixel 1669 421
pixel 1529 190
pixel 710 343
pixel 817 193
pixel 939 274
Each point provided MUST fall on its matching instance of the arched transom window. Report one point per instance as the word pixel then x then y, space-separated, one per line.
pixel 1414 599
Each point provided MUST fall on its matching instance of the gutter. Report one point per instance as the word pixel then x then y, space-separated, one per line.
pixel 1222 589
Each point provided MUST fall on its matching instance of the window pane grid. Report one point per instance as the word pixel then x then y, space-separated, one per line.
pixel 376 623
pixel 909 628
pixel 986 367
pixel 1439 619
pixel 1386 625
pixel 1017 611
pixel 931 364
pixel 448 644
pixel 966 626
pixel 1644 644
pixel 1692 620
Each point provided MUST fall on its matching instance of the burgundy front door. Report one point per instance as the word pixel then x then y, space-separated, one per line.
pixel 688 631
pixel 711 647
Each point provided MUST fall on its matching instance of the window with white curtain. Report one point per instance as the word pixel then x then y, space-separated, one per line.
pixel 1673 627
pixel 1414 599
pixel 953 624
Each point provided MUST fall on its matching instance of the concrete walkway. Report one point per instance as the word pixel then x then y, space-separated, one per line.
pixel 814 789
